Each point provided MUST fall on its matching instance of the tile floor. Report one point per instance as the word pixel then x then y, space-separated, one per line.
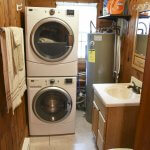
pixel 81 140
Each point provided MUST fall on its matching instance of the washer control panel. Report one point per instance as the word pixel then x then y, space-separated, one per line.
pixel 70 12
pixel 53 81
pixel 68 81
pixel 35 83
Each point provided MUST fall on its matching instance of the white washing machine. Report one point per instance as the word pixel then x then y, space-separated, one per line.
pixel 51 41
pixel 51 105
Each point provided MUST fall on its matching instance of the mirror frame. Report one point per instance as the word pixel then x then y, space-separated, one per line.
pixel 141 59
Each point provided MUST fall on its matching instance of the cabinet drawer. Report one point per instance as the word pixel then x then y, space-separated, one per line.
pixel 101 106
pixel 95 117
pixel 139 62
pixel 100 142
pixel 101 125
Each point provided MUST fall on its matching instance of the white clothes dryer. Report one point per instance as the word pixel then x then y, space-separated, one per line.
pixel 51 105
pixel 51 41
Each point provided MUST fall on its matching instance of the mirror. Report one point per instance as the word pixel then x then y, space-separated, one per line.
pixel 141 39
pixel 142 33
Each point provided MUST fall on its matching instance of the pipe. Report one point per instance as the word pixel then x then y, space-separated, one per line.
pixel 144 25
pixel 92 24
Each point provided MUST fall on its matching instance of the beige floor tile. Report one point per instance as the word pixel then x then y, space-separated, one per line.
pixel 39 147
pixel 39 143
pixel 79 146
pixel 81 140
pixel 37 139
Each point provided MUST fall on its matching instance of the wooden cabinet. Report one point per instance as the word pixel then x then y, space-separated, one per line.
pixel 101 125
pixel 95 112
pixel 114 126
pixel 100 141
pixel 138 62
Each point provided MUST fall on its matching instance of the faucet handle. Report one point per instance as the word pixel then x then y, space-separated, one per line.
pixel 134 84
pixel 135 88
pixel 139 89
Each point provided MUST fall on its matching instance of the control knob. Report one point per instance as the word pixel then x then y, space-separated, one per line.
pixel 52 81
pixel 52 12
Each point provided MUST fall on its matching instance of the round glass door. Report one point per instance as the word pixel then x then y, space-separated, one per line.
pixel 52 104
pixel 52 39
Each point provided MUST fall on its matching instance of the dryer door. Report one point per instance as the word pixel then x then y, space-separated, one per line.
pixel 52 39
pixel 52 104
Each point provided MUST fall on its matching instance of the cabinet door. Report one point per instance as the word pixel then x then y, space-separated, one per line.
pixel 95 117
pixel 100 142
pixel 101 125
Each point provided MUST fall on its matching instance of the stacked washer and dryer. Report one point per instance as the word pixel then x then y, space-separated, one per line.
pixel 51 59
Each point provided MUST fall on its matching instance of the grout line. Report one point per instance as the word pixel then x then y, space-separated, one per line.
pixel 49 142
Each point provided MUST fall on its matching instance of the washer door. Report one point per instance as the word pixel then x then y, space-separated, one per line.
pixel 52 39
pixel 52 104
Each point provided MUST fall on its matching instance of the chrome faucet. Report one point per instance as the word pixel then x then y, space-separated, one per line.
pixel 136 89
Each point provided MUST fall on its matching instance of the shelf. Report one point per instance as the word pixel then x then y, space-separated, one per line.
pixel 143 17
pixel 115 17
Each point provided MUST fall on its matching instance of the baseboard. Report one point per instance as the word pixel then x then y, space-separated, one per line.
pixel 26 144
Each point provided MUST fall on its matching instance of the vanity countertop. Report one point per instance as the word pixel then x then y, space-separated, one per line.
pixel 110 101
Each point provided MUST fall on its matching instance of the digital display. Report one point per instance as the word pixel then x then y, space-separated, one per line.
pixel 68 81
pixel 70 12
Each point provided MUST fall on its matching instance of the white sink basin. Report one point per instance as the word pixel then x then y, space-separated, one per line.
pixel 119 92
pixel 116 94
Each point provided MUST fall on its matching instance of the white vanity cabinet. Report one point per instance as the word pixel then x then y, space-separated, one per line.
pixel 115 126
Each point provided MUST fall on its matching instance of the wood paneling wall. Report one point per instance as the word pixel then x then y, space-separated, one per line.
pixel 52 3
pixel 127 71
pixel 127 45
pixel 13 128
pixel 79 1
pixel 41 3
pixel 142 141
pixel 102 22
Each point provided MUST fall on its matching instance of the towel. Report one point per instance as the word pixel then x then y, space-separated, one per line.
pixel 12 47
pixel 117 59
pixel 5 69
pixel 17 45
